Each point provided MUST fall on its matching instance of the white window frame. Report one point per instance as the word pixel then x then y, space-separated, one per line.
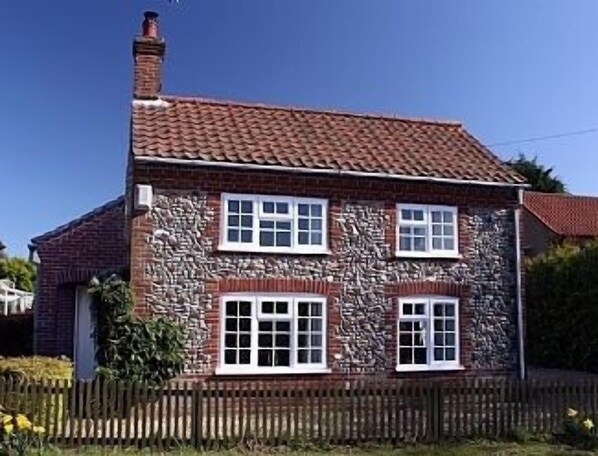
pixel 255 246
pixel 429 301
pixel 256 299
pixel 430 252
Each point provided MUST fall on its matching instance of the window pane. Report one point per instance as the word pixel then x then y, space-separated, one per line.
pixel 231 308
pixel 266 238
pixel 244 340
pixel 316 224
pixel 265 326
pixel 450 354
pixel 448 217
pixel 420 356
pixel 419 244
pixel 316 239
pixel 303 209
pixel 283 358
pixel 282 208
pixel 405 356
pixel 283 326
pixel 283 226
pixel 247 221
pixel 316 309
pixel 418 215
pixel 264 357
pixel 230 356
pixel 267 307
pixel 282 307
pixel 265 340
pixel 244 356
pixel 244 324
pixel 316 356
pixel 233 236
pixel 303 224
pixel 247 207
pixel 406 214
pixel 449 244
pixel 404 243
pixel 316 210
pixel 233 220
pixel 303 238
pixel 246 236
pixel 233 206
pixel 316 325
pixel 230 340
pixel 436 217
pixel 420 309
pixel 283 239
pixel 268 208
pixel 303 309
pixel 231 324
pixel 303 356
pixel 245 308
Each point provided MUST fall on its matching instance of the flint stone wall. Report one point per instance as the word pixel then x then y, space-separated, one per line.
pixel 362 261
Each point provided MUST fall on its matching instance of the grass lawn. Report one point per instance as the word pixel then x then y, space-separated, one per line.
pixel 461 449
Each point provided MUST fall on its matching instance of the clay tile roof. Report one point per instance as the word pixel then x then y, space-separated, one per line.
pixel 226 132
pixel 115 203
pixel 567 215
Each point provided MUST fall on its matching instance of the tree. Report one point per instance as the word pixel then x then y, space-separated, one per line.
pixel 540 177
pixel 20 271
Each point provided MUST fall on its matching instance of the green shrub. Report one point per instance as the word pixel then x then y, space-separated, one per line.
pixel 36 368
pixel 34 403
pixel 562 308
pixel 149 350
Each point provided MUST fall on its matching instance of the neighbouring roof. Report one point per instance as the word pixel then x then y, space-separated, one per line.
pixel 564 214
pixel 120 201
pixel 237 133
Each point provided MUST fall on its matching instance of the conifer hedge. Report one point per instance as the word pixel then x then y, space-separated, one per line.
pixel 562 308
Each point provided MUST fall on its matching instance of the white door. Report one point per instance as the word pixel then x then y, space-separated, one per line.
pixel 84 341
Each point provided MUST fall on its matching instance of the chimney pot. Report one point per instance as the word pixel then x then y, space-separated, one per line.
pixel 148 54
pixel 150 24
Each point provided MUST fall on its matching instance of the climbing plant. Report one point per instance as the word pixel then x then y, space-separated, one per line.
pixel 129 347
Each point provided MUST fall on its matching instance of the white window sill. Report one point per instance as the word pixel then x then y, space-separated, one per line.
pixel 429 255
pixel 427 368
pixel 241 249
pixel 254 371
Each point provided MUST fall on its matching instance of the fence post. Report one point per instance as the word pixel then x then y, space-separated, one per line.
pixel 435 411
pixel 196 418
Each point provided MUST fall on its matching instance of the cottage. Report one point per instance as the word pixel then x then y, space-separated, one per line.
pixel 555 218
pixel 299 243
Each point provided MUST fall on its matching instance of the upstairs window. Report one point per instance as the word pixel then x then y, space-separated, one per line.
pixel 259 223
pixel 428 333
pixel 427 231
pixel 273 333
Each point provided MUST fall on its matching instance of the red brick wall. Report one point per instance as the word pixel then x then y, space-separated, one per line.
pixel 69 259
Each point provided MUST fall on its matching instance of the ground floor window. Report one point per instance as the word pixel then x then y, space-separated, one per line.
pixel 428 333
pixel 273 333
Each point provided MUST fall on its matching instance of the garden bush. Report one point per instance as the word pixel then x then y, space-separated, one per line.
pixel 148 350
pixel 32 370
pixel 562 308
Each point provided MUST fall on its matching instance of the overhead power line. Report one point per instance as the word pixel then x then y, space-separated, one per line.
pixel 543 138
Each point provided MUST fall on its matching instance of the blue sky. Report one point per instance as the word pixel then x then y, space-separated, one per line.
pixel 509 69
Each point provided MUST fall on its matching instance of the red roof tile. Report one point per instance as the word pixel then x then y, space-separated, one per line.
pixel 567 215
pixel 216 131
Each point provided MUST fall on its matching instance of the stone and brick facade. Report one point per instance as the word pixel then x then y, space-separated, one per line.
pixel 178 270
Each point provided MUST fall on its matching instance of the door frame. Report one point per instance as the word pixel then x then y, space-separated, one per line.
pixel 79 290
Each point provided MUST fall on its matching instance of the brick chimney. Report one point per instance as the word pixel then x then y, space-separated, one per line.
pixel 148 53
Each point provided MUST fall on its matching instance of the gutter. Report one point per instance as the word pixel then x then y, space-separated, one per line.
pixel 445 180
pixel 520 328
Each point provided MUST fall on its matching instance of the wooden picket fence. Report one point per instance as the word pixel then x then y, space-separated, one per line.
pixel 225 413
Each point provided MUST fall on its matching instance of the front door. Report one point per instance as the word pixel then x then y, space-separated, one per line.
pixel 84 338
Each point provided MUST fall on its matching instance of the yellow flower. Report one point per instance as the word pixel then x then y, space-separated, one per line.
pixel 588 424
pixel 8 428
pixel 38 430
pixel 5 419
pixel 571 413
pixel 23 422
